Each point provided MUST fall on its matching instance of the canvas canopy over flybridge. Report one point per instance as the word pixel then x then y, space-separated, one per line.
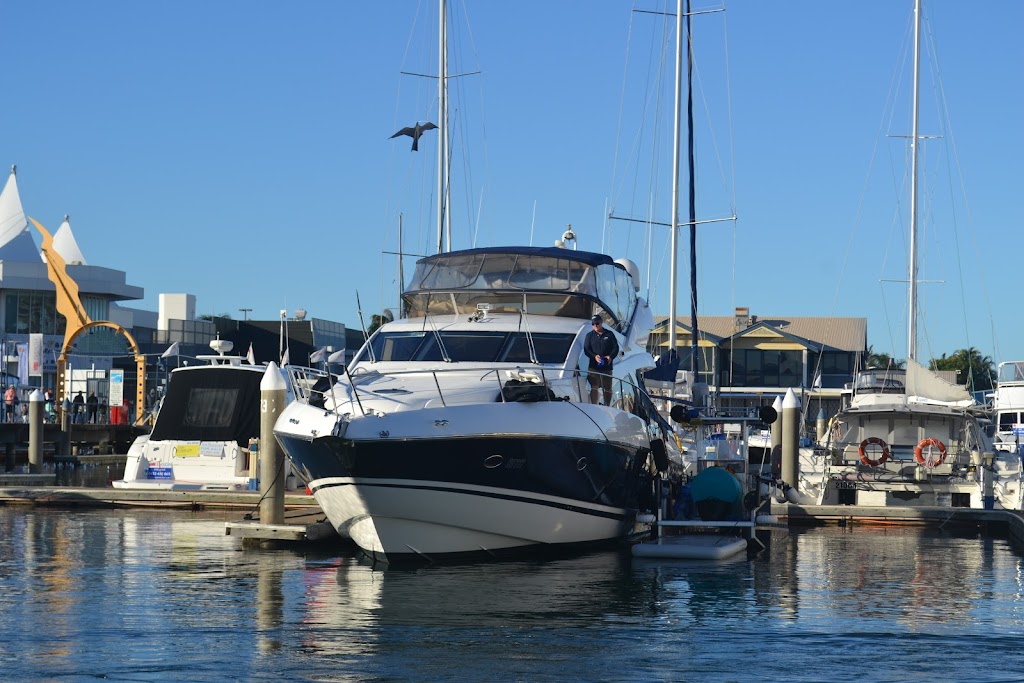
pixel 543 280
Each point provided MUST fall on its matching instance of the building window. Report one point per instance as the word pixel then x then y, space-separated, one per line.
pixel 32 312
pixel 836 369
pixel 762 368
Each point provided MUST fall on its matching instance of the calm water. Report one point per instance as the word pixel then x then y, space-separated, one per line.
pixel 147 595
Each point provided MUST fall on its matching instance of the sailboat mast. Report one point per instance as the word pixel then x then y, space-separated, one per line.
pixel 914 139
pixel 674 279
pixel 442 123
pixel 692 196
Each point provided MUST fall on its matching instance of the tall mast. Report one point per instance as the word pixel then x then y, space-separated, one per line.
pixel 692 196
pixel 912 308
pixel 442 123
pixel 673 285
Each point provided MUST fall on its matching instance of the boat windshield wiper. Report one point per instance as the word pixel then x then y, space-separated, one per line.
pixel 437 334
pixel 524 318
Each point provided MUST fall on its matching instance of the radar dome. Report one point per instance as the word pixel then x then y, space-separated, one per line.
pixel 633 271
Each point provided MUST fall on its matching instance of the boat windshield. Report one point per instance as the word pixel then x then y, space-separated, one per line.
pixel 469 346
pixel 881 382
pixel 1011 371
pixel 548 281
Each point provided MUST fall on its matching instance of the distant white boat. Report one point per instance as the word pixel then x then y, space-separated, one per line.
pixel 1008 406
pixel 202 435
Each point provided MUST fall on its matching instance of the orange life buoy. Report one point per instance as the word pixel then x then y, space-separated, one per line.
pixel 873 440
pixel 928 443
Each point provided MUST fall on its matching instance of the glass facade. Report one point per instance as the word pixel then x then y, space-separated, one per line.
pixel 32 312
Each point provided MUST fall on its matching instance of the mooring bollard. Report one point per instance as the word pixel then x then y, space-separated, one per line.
pixel 272 461
pixel 791 438
pixel 35 432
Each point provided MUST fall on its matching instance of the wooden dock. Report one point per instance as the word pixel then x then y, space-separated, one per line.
pixel 1009 522
pixel 304 520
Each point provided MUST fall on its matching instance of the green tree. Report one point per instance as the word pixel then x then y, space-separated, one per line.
pixel 978 372
pixel 378 320
pixel 882 360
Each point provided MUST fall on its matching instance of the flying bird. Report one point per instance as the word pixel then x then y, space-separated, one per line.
pixel 415 132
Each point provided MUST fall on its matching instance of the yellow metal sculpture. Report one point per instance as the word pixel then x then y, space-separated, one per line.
pixel 69 304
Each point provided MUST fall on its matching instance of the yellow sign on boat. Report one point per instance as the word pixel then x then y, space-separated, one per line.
pixel 186 450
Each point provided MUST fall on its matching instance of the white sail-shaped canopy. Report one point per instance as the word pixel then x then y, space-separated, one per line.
pixel 16 243
pixel 66 245
pixel 924 383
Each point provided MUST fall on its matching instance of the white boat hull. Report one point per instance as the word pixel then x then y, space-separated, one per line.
pixel 451 484
pixel 392 519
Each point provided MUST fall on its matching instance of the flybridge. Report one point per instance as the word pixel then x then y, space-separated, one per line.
pixel 539 280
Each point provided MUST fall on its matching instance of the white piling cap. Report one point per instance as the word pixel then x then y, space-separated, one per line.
pixel 36 396
pixel 777 404
pixel 272 379
pixel 791 401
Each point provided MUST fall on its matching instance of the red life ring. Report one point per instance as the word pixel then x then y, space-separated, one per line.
pixel 873 440
pixel 927 443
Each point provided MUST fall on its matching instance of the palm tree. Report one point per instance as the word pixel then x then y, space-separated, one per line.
pixel 378 320
pixel 883 360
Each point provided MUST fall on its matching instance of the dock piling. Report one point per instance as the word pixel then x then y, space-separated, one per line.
pixel 35 432
pixel 272 461
pixel 791 438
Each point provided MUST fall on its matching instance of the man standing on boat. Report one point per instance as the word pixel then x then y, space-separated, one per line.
pixel 601 349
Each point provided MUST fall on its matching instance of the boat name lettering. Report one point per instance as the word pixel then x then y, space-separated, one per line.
pixel 384 434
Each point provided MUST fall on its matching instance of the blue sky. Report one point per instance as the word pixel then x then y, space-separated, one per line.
pixel 240 151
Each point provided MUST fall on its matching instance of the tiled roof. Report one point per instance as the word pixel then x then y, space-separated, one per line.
pixel 842 334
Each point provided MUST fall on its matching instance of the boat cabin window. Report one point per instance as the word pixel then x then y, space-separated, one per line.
pixel 479 347
pixel 210 407
pixel 1007 420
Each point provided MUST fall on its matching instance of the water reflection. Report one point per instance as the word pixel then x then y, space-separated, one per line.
pixel 157 594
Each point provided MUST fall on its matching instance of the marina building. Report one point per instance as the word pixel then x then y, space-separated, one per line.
pixel 34 330
pixel 748 360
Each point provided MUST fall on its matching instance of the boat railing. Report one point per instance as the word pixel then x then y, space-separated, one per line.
pixel 515 384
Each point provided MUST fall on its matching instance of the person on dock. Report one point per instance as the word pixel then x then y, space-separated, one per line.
pixel 49 405
pixel 601 348
pixel 93 403
pixel 78 408
pixel 10 401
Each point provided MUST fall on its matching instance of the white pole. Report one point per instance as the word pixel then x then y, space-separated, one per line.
pixel 912 309
pixel 442 123
pixel 674 279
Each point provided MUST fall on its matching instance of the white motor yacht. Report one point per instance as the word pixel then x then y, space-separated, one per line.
pixel 465 427
pixel 202 434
